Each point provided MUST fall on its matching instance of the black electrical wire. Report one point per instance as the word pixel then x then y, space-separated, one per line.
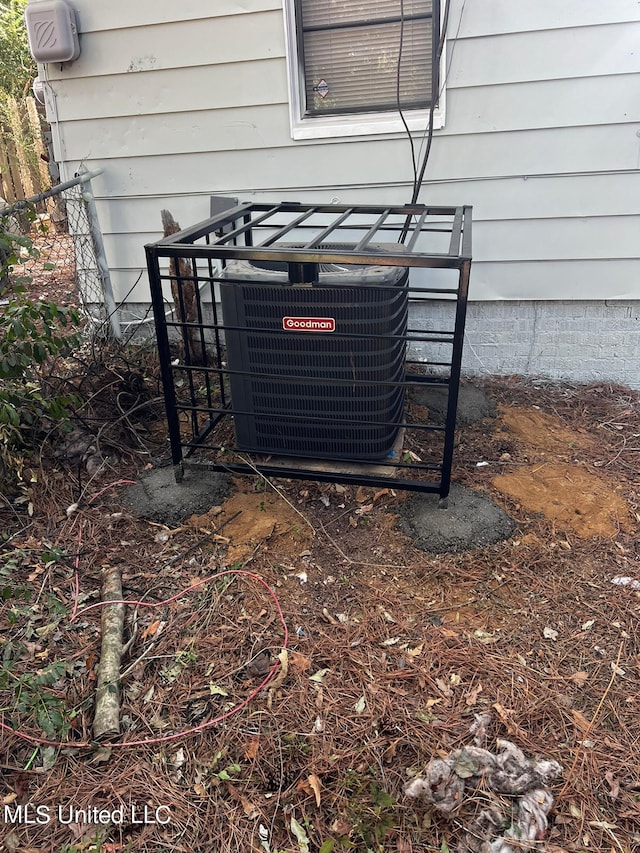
pixel 435 96
pixel 418 176
pixel 399 100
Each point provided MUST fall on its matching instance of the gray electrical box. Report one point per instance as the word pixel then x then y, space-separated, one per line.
pixel 52 31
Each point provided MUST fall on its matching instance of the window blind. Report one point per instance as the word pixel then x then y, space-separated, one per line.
pixel 350 52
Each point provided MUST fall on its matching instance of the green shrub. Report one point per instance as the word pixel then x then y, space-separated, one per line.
pixel 31 333
pixel 17 68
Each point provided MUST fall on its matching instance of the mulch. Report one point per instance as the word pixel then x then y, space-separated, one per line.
pixel 391 653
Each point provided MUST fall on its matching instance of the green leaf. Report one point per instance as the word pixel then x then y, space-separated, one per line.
pixel 425 716
pixel 9 415
pixel 300 834
pixel 22 240
pixel 380 797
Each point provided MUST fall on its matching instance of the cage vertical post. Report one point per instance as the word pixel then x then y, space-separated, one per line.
pixel 164 356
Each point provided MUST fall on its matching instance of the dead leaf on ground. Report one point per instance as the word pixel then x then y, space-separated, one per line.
pixel 602 824
pixel 360 705
pixel 390 751
pixel 280 678
pixel 443 687
pixel 101 756
pixel 471 696
pixel 614 785
pixel 318 676
pixel 484 636
pixel 311 785
pixel 580 720
pixel 316 784
pixel 579 678
pixel 153 629
pixel 21 784
pixel 252 748
pixel 506 718
pixel 386 614
pixel 249 808
pixel 341 827
pixel 298 662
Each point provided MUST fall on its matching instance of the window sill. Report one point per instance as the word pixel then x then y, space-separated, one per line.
pixel 364 124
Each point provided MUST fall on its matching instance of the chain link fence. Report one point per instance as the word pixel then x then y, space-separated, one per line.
pixel 70 266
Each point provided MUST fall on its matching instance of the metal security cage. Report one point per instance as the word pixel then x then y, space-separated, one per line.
pixel 286 347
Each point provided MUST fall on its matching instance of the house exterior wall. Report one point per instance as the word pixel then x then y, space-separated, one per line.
pixel 176 102
pixel 576 340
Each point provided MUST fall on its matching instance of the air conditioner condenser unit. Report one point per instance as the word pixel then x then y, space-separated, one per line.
pixel 316 368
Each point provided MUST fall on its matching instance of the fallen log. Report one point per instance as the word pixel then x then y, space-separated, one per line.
pixel 106 721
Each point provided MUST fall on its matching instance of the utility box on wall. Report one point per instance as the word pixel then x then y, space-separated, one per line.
pixel 52 31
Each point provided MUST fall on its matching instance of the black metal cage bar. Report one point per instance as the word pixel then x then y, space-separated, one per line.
pixel 285 354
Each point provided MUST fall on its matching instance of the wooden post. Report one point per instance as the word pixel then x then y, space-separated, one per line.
pixel 6 184
pixel 15 122
pixel 11 183
pixel 36 132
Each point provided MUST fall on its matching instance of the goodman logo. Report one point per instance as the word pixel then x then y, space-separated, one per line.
pixel 308 324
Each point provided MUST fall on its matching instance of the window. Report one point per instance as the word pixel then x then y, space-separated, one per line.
pixel 353 62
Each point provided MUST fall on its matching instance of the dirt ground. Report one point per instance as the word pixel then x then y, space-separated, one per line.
pixel 53 270
pixel 315 656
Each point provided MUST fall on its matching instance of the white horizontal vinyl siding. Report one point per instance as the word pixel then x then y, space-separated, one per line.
pixel 488 17
pixel 561 54
pixel 486 109
pixel 214 40
pixel 541 197
pixel 250 166
pixel 176 102
pixel 124 14
pixel 253 82
pixel 493 17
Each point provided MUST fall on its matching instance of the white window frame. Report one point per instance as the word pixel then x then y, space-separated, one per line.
pixel 359 124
